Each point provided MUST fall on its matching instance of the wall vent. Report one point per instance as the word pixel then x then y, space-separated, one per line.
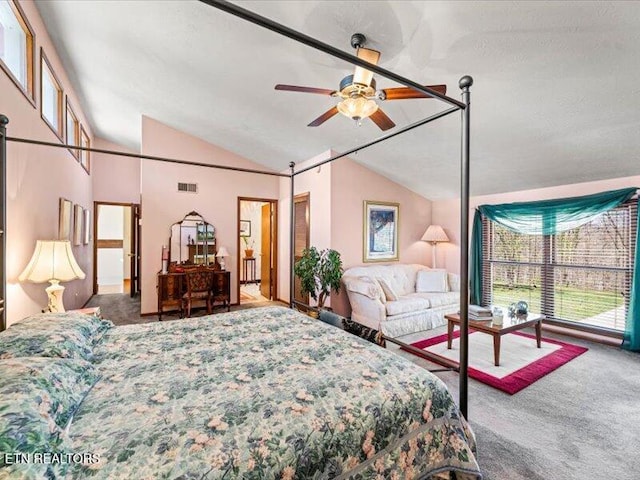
pixel 188 187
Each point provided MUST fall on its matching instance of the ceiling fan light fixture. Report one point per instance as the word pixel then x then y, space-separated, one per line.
pixel 357 107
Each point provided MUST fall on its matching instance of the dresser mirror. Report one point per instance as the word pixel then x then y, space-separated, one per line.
pixel 193 241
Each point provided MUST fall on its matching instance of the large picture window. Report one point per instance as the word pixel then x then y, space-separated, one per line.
pixel 51 97
pixel 16 46
pixel 581 275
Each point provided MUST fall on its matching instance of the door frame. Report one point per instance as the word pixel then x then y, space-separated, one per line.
pixel 274 279
pixel 96 204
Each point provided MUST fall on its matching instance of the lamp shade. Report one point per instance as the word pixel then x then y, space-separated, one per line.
pixel 222 252
pixel 52 260
pixel 435 234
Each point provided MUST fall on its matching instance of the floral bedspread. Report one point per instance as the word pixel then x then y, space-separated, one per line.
pixel 264 393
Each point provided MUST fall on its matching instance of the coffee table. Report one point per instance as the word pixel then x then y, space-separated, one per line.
pixel 509 324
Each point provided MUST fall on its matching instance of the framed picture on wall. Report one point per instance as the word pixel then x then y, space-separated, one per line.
pixel 245 228
pixel 64 219
pixel 77 224
pixel 86 226
pixel 380 232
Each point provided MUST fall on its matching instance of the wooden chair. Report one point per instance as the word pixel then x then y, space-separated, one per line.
pixel 199 287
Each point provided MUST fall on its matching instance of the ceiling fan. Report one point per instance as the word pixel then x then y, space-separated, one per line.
pixel 358 92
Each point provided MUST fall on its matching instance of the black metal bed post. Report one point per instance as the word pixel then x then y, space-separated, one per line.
pixel 4 120
pixel 465 84
pixel 291 235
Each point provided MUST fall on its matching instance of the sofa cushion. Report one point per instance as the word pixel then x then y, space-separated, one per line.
pixel 407 304
pixel 388 290
pixel 437 299
pixel 432 281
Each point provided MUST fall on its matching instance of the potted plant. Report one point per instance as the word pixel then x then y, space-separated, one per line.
pixel 319 273
pixel 248 247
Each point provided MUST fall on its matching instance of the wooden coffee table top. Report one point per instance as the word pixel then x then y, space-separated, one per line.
pixel 509 324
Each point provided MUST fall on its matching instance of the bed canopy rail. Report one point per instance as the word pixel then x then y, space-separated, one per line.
pixel 464 107
pixel 464 84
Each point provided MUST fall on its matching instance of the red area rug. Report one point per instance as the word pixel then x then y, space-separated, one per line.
pixel 513 374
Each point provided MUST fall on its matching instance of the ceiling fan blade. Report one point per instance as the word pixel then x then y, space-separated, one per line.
pixel 297 88
pixel 403 93
pixel 380 118
pixel 324 117
pixel 362 75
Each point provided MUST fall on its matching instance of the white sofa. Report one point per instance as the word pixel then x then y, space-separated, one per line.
pixel 413 311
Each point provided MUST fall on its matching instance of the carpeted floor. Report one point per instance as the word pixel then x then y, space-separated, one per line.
pixel 124 310
pixel 580 422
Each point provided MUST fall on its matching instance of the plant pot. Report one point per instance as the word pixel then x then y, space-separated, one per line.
pixel 313 313
pixel 248 252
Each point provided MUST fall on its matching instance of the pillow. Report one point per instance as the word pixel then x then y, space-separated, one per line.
pixel 64 335
pixel 389 293
pixel 363 287
pixel 432 281
pixel 90 326
pixel 38 397
pixel 54 387
pixel 381 296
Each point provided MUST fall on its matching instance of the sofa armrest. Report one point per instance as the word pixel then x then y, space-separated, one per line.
pixel 365 300
pixel 454 282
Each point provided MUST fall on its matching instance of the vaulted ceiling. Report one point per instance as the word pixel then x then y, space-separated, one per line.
pixel 555 100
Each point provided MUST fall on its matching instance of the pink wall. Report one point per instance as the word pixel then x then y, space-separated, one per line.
pixel 351 185
pixel 36 178
pixel 318 185
pixel 216 200
pixel 115 178
pixel 447 212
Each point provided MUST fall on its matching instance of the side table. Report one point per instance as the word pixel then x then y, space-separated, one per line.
pixel 248 269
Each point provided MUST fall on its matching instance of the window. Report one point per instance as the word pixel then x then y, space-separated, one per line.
pixel 84 155
pixel 72 132
pixel 16 46
pixel 580 276
pixel 51 97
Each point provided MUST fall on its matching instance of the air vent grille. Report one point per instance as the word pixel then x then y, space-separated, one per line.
pixel 188 187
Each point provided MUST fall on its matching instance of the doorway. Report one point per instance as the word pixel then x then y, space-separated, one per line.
pixel 258 249
pixel 116 247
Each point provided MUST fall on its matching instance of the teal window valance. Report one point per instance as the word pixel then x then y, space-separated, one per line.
pixel 550 217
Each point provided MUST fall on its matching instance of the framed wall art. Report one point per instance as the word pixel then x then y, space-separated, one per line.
pixel 64 219
pixel 86 226
pixel 77 224
pixel 245 228
pixel 380 232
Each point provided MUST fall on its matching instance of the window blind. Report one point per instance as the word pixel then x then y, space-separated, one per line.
pixel 582 275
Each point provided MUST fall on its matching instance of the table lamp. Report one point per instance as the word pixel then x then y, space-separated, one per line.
pixel 434 235
pixel 52 262
pixel 222 252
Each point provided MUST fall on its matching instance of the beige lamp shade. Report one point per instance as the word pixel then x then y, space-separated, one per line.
pixel 222 252
pixel 52 260
pixel 435 234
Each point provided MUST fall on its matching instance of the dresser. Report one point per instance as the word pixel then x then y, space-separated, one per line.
pixel 172 286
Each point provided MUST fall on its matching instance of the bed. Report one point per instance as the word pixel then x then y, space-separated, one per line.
pixel 263 393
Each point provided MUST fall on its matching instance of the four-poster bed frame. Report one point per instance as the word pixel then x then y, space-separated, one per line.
pixel 464 108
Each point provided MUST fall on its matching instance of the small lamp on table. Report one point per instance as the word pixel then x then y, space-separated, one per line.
pixel 52 262
pixel 222 252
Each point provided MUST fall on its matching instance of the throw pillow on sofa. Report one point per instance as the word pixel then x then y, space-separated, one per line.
pixel 432 281
pixel 389 292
